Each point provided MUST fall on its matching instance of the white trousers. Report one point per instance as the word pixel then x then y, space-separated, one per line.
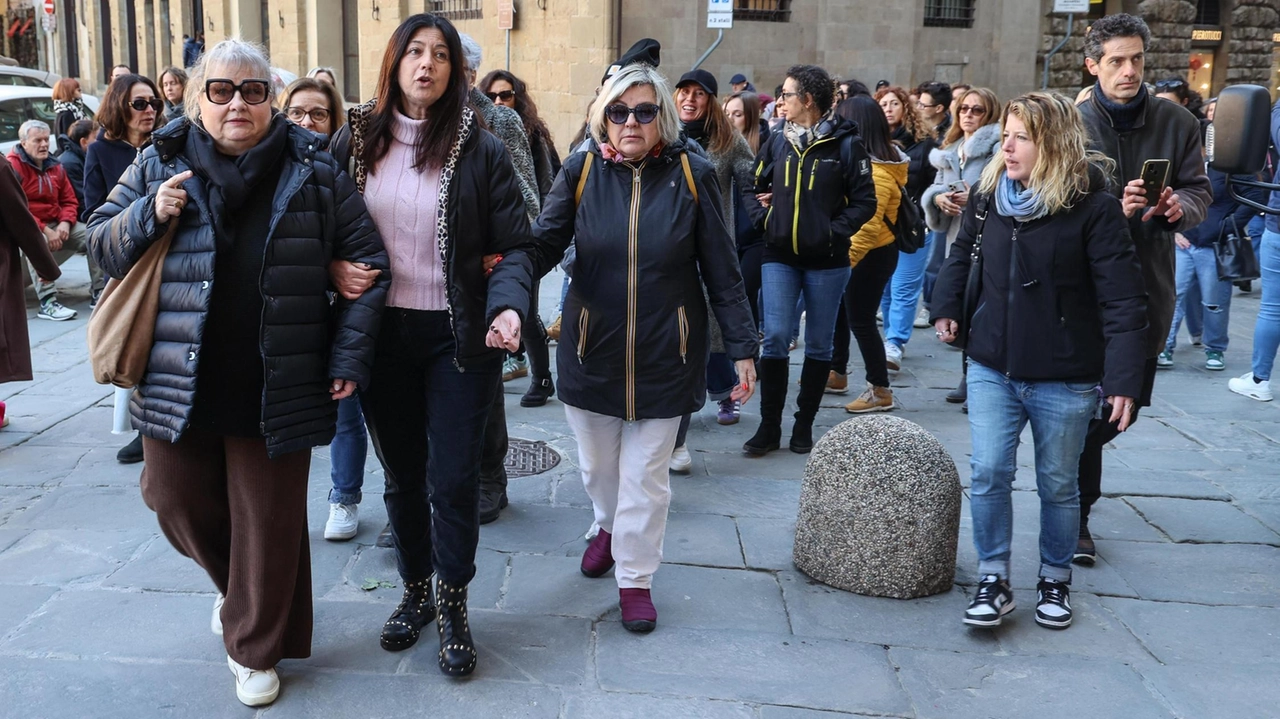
pixel 625 471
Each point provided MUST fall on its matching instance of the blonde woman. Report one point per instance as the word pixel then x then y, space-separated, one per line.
pixel 1058 325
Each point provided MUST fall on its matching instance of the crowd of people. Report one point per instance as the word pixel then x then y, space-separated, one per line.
pixel 345 275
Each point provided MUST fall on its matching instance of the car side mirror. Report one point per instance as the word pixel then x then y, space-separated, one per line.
pixel 1237 140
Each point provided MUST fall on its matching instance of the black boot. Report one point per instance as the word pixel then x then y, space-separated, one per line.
pixel 960 395
pixel 457 651
pixel 813 381
pixel 131 453
pixel 416 610
pixel 540 390
pixel 493 500
pixel 771 378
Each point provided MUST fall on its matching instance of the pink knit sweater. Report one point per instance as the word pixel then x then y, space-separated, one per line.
pixel 402 203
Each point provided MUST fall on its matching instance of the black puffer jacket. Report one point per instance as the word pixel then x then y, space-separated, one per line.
pixel 484 215
pixel 634 340
pixel 317 216
pixel 1062 297
pixel 921 172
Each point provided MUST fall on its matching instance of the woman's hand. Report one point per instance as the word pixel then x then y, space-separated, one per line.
pixel 171 198
pixel 504 333
pixel 765 199
pixel 352 279
pixel 960 198
pixel 944 202
pixel 746 380
pixel 1181 241
pixel 341 389
pixel 490 262
pixel 947 330
pixel 1134 198
pixel 1121 411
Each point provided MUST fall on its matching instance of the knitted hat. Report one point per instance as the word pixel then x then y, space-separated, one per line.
pixel 646 51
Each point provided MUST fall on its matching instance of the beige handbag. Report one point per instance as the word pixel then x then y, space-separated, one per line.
pixel 123 325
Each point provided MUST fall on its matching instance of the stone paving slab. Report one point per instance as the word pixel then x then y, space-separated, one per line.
pixel 86 508
pixel 639 706
pixel 705 540
pixel 735 496
pixel 1235 574
pixel 1200 521
pixel 1128 482
pixel 60 557
pixel 767 543
pixel 19 602
pixel 159 568
pixel 550 651
pixel 1191 633
pixel 29 466
pixel 1214 691
pixel 40 688
pixel 308 694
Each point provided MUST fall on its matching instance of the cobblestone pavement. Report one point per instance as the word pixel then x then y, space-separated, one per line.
pixel 100 617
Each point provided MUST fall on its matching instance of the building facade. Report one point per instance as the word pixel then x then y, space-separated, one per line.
pixel 561 47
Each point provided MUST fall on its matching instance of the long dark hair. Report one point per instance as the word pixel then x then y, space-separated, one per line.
pixel 113 115
pixel 526 108
pixel 436 138
pixel 872 126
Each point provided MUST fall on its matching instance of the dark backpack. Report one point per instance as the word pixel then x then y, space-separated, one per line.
pixel 908 231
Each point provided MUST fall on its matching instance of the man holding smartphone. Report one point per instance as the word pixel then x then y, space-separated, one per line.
pixel 1132 127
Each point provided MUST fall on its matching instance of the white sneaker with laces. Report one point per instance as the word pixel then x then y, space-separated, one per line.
pixel 681 461
pixel 254 687
pixel 215 622
pixel 53 310
pixel 922 318
pixel 893 355
pixel 344 521
pixel 1246 385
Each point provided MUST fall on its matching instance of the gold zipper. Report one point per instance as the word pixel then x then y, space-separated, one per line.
pixel 583 318
pixel 683 321
pixel 633 262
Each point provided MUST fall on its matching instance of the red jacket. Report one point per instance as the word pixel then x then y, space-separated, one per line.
pixel 49 192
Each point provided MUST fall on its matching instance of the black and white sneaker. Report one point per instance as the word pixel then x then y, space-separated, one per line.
pixel 1053 608
pixel 993 600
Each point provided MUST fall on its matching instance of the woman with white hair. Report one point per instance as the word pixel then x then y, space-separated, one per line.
pixel 249 355
pixel 648 223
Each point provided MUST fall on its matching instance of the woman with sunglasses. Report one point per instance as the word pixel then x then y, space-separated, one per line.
pixel 974 138
pixel 814 177
pixel 438 362
pixel 249 354
pixel 646 217
pixel 173 84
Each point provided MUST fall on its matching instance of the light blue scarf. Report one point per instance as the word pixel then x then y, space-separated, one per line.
pixel 1014 200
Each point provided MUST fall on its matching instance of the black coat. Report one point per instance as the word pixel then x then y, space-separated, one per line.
pixel 920 172
pixel 1062 297
pixel 484 215
pixel 821 196
pixel 316 216
pixel 104 164
pixel 634 340
pixel 71 156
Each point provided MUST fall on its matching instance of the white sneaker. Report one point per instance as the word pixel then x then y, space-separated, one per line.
pixel 344 521
pixel 1246 385
pixel 255 687
pixel 53 310
pixel 893 355
pixel 215 623
pixel 922 318
pixel 681 461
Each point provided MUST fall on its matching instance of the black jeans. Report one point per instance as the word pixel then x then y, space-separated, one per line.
pixel 493 467
pixel 426 419
pixel 1100 433
pixel 750 261
pixel 858 313
pixel 534 336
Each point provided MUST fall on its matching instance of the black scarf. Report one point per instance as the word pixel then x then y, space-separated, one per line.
pixel 230 180
pixel 697 130
pixel 1123 117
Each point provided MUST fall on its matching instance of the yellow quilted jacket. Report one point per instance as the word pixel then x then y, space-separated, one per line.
pixel 889 176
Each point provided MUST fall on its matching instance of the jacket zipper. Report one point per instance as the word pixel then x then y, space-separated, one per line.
pixel 813 171
pixel 633 261
pixel 1013 269
pixel 786 172
pixel 795 213
pixel 683 321
pixel 584 318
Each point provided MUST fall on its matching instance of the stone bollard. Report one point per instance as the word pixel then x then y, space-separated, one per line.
pixel 879 510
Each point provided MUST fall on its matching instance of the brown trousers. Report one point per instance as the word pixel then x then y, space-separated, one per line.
pixel 243 518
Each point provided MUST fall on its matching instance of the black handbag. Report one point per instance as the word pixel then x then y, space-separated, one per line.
pixel 973 284
pixel 1234 252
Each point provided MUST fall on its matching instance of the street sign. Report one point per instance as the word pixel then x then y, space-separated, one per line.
pixel 720 14
pixel 1073 7
pixel 48 7
pixel 506 14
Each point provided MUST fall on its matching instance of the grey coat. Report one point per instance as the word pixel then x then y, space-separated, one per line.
pixel 979 149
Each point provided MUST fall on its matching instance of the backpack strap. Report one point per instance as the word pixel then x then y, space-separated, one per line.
pixel 582 180
pixel 688 175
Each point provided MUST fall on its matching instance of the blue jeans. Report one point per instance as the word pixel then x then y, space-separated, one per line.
pixel 903 293
pixel 1254 230
pixel 936 244
pixel 347 453
pixel 1059 412
pixel 1266 332
pixel 783 285
pixel 1198 267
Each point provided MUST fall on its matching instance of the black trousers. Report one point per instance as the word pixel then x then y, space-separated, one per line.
pixel 858 313
pixel 533 334
pixel 493 467
pixel 750 261
pixel 426 419
pixel 1100 433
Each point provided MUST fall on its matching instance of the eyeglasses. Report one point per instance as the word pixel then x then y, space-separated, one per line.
pixel 1170 85
pixel 645 112
pixel 221 91
pixel 925 106
pixel 788 95
pixel 139 104
pixel 505 95
pixel 978 110
pixel 295 114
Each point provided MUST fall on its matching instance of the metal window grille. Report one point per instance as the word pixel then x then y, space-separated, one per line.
pixel 455 9
pixel 762 10
pixel 949 13
pixel 1208 12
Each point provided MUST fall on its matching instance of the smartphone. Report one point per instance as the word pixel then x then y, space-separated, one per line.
pixel 1155 175
pixel 960 186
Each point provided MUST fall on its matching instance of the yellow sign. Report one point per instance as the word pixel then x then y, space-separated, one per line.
pixel 1214 35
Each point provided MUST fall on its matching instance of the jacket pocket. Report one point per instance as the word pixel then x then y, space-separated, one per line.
pixel 584 318
pixel 682 321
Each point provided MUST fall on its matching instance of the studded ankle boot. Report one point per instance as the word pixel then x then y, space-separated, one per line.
pixel 416 610
pixel 457 651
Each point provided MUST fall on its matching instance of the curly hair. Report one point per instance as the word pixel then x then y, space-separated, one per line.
pixel 114 112
pixel 1111 27
pixel 910 121
pixel 526 108
pixel 816 83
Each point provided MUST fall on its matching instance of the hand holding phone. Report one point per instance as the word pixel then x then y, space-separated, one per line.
pixel 1155 176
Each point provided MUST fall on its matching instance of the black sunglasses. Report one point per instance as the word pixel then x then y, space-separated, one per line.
pixel 139 104
pixel 505 95
pixel 221 91
pixel 645 112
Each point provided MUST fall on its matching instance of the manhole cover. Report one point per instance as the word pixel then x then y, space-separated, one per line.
pixel 526 457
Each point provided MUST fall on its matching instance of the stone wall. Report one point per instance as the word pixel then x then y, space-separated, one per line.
pixel 1066 67
pixel 1170 48
pixel 1250 46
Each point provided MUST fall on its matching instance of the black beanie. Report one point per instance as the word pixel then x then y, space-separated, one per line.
pixel 645 51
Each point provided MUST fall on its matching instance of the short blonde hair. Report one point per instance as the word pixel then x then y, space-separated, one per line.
pixel 635 75
pixel 235 54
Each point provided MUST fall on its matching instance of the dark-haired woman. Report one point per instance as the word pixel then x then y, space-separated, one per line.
pixel 173 85
pixel 815 175
pixel 872 255
pixel 744 113
pixel 443 194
